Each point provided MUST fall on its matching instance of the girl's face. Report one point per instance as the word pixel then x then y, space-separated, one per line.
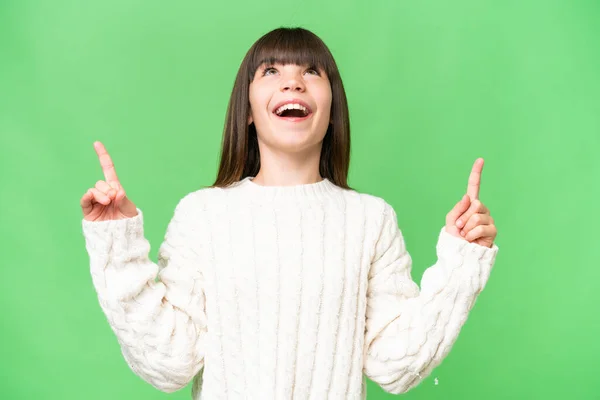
pixel 290 106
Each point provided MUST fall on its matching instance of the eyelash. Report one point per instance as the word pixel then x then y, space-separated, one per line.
pixel 272 68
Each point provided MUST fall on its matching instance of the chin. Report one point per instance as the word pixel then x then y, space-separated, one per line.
pixel 295 143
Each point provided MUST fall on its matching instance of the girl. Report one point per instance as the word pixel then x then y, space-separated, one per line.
pixel 279 281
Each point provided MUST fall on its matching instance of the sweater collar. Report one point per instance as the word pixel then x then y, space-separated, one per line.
pixel 310 191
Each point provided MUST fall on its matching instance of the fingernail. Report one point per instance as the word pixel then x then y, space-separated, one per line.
pixel 462 233
pixel 459 223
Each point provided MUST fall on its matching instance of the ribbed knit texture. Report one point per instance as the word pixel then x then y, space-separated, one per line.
pixel 266 292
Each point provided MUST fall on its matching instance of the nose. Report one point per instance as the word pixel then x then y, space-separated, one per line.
pixel 292 82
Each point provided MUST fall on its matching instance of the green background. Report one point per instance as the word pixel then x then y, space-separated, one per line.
pixel 432 85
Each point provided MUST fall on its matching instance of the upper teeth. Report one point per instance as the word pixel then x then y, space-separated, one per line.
pixel 291 106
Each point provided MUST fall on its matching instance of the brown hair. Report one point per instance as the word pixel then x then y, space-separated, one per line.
pixel 240 156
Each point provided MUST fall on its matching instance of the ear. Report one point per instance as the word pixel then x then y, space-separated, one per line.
pixel 250 120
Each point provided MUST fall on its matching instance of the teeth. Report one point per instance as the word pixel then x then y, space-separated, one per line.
pixel 291 106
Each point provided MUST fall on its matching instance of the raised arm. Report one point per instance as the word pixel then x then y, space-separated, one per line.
pixel 410 331
pixel 156 310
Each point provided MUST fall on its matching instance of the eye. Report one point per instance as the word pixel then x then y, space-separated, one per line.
pixel 313 71
pixel 267 71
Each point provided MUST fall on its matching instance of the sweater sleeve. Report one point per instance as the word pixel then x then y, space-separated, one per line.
pixel 157 311
pixel 409 331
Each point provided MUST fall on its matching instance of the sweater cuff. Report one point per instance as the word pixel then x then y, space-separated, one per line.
pixel 100 236
pixel 466 263
pixel 450 246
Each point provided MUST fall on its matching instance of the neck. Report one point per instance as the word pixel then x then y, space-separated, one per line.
pixel 278 169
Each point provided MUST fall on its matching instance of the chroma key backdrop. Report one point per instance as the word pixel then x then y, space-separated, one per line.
pixel 431 86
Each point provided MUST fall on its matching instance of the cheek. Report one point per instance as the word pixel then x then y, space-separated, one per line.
pixel 254 97
pixel 325 102
pixel 252 100
pixel 258 103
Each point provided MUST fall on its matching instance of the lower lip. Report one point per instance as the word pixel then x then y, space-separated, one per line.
pixel 294 119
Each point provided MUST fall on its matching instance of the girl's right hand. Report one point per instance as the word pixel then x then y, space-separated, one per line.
pixel 107 200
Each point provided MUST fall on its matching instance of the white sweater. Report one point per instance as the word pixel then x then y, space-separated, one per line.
pixel 264 292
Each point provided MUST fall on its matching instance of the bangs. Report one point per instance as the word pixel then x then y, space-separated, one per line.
pixel 291 46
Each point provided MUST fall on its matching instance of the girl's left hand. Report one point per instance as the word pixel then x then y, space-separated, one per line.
pixel 470 219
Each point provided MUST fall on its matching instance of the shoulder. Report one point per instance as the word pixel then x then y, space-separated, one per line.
pixel 198 200
pixel 376 212
pixel 376 206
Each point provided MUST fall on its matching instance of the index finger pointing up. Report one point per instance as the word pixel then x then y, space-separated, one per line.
pixel 475 179
pixel 110 174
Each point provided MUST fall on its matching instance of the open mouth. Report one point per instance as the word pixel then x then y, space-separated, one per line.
pixel 293 111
